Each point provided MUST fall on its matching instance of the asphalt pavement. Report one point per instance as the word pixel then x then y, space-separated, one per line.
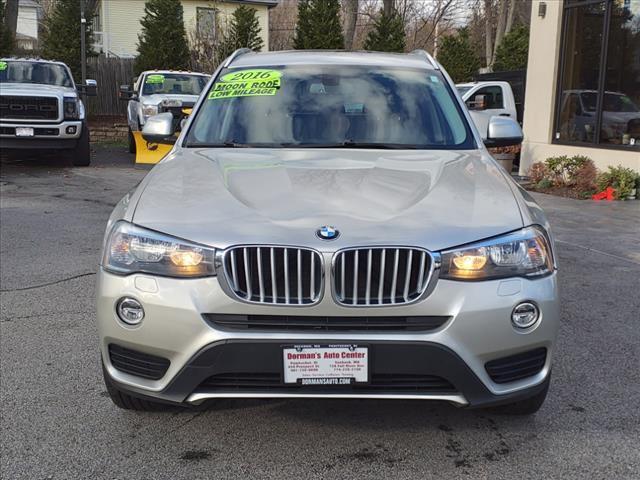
pixel 58 422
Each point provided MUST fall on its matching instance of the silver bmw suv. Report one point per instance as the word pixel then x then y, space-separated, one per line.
pixel 328 224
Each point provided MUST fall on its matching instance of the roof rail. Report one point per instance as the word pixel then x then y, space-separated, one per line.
pixel 428 56
pixel 236 54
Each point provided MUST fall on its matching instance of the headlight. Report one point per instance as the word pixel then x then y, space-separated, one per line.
pixel 525 253
pixel 149 110
pixel 132 249
pixel 71 108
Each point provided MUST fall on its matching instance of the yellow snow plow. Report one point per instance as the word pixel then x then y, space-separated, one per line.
pixel 147 152
pixel 152 153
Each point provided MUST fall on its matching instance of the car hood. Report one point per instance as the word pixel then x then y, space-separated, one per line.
pixel 34 89
pixel 222 197
pixel 619 117
pixel 156 99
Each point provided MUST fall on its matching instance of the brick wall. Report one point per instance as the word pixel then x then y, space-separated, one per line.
pixel 114 132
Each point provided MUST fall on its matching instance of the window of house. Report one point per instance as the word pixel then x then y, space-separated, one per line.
pixel 206 22
pixel 599 92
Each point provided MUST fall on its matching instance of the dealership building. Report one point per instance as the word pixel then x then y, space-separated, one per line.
pixel 583 82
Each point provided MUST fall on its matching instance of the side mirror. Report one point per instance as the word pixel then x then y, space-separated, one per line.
pixel 159 129
pixel 479 102
pixel 503 132
pixel 125 92
pixel 89 88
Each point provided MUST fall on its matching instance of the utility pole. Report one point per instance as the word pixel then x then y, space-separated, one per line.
pixel 83 50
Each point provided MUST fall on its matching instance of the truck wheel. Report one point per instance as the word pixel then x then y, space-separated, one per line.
pixel 81 155
pixel 128 402
pixel 528 406
pixel 132 142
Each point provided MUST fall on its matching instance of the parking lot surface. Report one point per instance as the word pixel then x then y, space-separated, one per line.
pixel 58 422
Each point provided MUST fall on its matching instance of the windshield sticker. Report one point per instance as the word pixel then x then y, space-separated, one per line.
pixel 3 66
pixel 154 79
pixel 246 83
pixel 354 108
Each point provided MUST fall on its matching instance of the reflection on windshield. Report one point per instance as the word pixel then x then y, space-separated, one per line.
pixel 173 84
pixel 34 72
pixel 327 106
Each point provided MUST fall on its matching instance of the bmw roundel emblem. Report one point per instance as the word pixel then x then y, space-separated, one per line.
pixel 327 232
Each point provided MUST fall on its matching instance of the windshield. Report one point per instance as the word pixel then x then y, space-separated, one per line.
pixel 34 72
pixel 173 84
pixel 613 102
pixel 329 106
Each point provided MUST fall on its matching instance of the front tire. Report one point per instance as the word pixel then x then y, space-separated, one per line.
pixel 528 406
pixel 81 155
pixel 128 402
pixel 132 142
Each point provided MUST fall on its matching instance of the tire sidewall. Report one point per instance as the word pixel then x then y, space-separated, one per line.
pixel 81 155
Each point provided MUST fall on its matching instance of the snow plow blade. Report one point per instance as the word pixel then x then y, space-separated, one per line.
pixel 149 153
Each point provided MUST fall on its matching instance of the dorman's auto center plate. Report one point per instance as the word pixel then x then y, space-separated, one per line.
pixel 326 364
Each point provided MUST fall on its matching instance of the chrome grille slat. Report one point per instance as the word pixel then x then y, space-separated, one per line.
pixel 312 267
pixel 274 284
pixel 286 276
pixel 355 279
pixel 234 273
pixel 368 289
pixel 299 263
pixel 260 279
pixel 394 282
pixel 273 275
pixel 407 277
pixel 247 275
pixel 421 272
pixel 379 276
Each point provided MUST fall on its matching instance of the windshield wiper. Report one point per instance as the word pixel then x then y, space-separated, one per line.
pixel 353 144
pixel 345 144
pixel 232 144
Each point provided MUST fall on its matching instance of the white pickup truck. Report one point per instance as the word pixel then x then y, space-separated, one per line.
pixel 488 99
pixel 41 108
pixel 157 91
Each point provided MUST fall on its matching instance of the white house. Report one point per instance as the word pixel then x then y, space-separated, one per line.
pixel 117 22
pixel 29 16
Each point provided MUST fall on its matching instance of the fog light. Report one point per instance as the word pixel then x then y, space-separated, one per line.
pixel 525 315
pixel 130 311
pixel 71 130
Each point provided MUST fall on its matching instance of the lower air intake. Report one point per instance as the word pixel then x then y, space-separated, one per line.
pixel 517 367
pixel 138 363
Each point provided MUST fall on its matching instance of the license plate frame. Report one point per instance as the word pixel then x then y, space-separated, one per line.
pixel 24 132
pixel 332 371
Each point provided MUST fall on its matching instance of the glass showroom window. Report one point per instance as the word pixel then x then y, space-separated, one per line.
pixel 599 85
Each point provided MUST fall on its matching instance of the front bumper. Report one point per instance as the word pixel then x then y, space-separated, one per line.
pixel 47 135
pixel 478 331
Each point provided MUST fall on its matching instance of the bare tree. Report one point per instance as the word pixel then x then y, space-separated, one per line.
pixel 488 32
pixel 426 20
pixel 510 15
pixel 282 25
pixel 11 16
pixel 349 21
pixel 387 7
pixel 502 4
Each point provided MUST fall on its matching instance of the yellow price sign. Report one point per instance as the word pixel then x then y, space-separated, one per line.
pixel 247 83
pixel 155 78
